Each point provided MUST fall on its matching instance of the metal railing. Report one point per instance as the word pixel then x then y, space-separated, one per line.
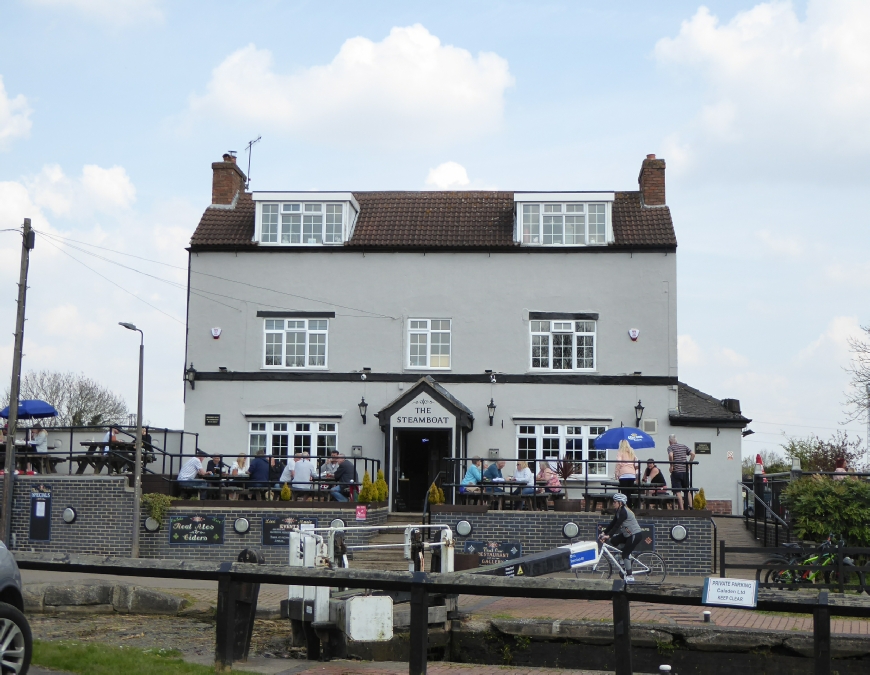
pixel 421 585
pixel 579 479
pixel 771 522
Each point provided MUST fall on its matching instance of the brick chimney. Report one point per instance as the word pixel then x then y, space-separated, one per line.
pixel 652 181
pixel 227 181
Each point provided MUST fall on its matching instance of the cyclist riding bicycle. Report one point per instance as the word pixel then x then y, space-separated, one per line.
pixel 629 534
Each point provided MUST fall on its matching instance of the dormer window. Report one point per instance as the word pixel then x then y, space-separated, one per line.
pixel 549 219
pixel 300 220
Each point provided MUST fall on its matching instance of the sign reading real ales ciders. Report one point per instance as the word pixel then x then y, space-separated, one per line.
pixel 276 529
pixel 200 530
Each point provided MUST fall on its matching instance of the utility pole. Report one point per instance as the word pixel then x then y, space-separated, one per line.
pixel 27 242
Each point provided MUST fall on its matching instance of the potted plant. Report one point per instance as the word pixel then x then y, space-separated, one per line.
pixel 565 469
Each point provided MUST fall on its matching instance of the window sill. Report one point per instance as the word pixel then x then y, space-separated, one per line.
pixel 284 369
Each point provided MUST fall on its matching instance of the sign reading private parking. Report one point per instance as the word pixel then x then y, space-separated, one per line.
pixel 730 592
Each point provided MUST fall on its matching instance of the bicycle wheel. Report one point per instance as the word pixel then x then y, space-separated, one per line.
pixel 853 582
pixel 778 576
pixel 652 570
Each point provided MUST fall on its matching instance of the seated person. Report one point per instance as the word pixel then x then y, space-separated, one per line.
pixel 345 473
pixel 525 479
pixel 493 473
pixel 240 466
pixel 331 465
pixel 653 476
pixel 258 473
pixel 215 466
pixel 472 477
pixel 40 439
pixel 110 437
pixel 629 534
pixel 302 472
pixel 190 476
pixel 554 484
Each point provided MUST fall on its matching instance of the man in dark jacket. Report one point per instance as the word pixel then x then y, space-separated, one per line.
pixel 345 473
pixel 258 474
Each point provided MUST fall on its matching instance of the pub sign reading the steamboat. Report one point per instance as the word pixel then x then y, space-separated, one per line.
pixel 422 412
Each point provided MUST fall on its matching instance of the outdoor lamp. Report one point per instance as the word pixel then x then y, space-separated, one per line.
pixel 241 525
pixel 190 375
pixel 363 408
pixel 747 432
pixel 679 533
pixel 464 528
pixel 69 515
pixel 337 524
pixel 490 408
pixel 638 413
pixel 570 530
pixel 152 524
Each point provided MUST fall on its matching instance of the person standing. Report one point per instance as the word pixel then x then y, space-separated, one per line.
pixel 679 456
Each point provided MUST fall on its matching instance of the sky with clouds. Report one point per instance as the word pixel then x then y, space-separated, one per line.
pixel 111 112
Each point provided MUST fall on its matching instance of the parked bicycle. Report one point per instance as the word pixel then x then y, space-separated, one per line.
pixel 824 560
pixel 646 567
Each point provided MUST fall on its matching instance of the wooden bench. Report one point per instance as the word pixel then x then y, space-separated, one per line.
pixel 659 501
pixel 596 498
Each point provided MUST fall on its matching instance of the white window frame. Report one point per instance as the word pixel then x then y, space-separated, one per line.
pixel 545 223
pixel 557 437
pixel 270 330
pixel 415 329
pixel 291 435
pixel 581 335
pixel 286 206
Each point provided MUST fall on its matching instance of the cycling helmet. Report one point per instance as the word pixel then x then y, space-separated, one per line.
pixel 621 498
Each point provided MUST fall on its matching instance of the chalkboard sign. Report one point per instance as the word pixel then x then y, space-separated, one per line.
pixel 492 552
pixel 40 513
pixel 703 448
pixel 198 530
pixel 276 529
pixel 647 541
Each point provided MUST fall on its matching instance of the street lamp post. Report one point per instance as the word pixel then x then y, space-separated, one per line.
pixel 137 468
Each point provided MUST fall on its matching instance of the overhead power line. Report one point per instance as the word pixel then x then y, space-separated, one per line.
pixel 66 240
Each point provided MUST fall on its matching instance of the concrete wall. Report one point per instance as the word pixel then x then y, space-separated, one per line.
pixel 542 530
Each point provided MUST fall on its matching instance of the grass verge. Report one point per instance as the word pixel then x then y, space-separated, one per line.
pixel 97 659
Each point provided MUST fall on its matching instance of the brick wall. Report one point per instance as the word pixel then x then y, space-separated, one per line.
pixel 720 507
pixel 103 504
pixel 156 544
pixel 104 508
pixel 542 530
pixel 652 181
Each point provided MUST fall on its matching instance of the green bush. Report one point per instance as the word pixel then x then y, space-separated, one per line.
pixel 157 504
pixel 381 487
pixel 286 493
pixel 820 506
pixel 367 492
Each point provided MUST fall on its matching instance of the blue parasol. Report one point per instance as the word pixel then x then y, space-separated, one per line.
pixel 637 439
pixel 31 409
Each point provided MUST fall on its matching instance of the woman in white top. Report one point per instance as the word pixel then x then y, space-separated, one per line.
pixel 40 439
pixel 240 466
pixel 524 475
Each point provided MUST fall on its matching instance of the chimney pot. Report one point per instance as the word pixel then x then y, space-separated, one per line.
pixel 652 181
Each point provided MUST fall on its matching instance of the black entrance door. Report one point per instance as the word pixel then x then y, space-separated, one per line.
pixel 419 454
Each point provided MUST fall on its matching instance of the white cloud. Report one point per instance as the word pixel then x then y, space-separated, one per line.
pixel 112 11
pixel 14 117
pixel 409 85
pixel 448 176
pixel 96 190
pixel 733 358
pixel 833 343
pixel 110 187
pixel 689 351
pixel 783 87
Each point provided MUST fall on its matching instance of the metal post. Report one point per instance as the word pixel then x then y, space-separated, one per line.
pixel 137 469
pixel 419 625
pixel 621 629
pixel 722 558
pixel 840 572
pixel 822 635
pixel 27 241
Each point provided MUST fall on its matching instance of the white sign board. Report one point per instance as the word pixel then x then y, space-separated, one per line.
pixel 423 412
pixel 730 592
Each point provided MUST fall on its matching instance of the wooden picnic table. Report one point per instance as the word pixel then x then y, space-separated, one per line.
pixel 42 461
pixel 119 459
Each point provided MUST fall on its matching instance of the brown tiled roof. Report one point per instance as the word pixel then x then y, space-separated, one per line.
pixel 695 406
pixel 222 226
pixel 635 225
pixel 466 219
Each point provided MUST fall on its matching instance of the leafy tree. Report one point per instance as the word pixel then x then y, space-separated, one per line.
pixel 773 461
pixel 858 396
pixel 819 506
pixel 79 400
pixel 818 455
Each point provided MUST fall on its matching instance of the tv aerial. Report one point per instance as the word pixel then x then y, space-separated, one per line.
pixel 249 148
